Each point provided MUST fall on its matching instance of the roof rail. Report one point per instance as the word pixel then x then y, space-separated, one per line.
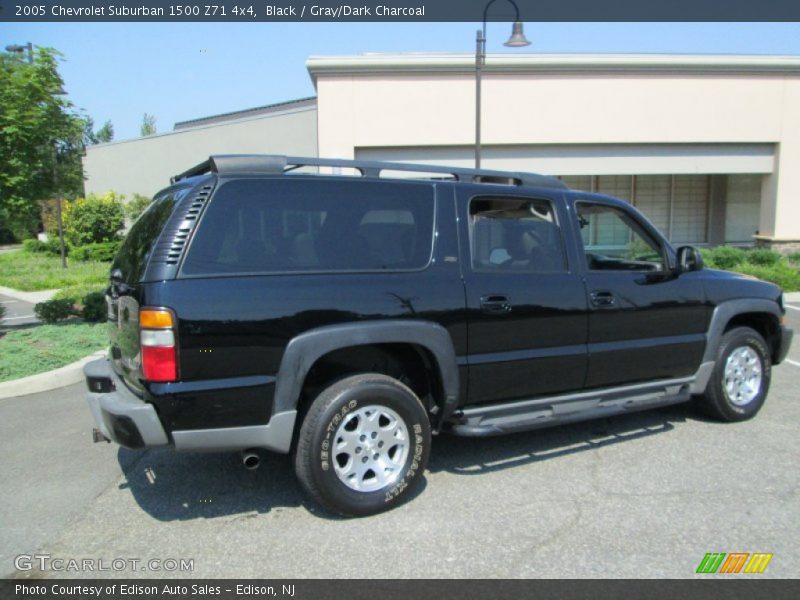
pixel 266 164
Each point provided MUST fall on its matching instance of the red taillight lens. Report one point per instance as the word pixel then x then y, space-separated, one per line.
pixel 159 363
pixel 157 343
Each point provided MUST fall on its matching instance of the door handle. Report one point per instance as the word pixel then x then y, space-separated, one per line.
pixel 495 304
pixel 603 298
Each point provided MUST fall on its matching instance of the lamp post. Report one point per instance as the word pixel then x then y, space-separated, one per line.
pixel 517 40
pixel 19 49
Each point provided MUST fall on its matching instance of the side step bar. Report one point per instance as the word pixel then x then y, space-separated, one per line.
pixel 537 413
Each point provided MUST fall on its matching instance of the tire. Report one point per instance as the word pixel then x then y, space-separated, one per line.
pixel 741 377
pixel 363 445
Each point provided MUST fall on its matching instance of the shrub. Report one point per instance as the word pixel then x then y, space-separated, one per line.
pixel 99 252
pixel 52 311
pixel 51 247
pixel 763 256
pixel 724 257
pixel 94 307
pixel 794 257
pixel 33 246
pixel 782 274
pixel 137 206
pixel 94 219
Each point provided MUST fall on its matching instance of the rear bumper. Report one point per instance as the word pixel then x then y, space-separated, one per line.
pixel 786 342
pixel 125 418
pixel 119 414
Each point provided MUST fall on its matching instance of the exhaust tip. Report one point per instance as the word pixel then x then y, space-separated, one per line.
pixel 251 460
pixel 97 436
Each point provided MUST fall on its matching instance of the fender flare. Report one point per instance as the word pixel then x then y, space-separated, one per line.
pixel 727 310
pixel 305 349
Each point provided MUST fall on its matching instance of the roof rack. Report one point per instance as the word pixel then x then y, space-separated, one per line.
pixel 266 164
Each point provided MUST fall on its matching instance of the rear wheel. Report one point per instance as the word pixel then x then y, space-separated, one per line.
pixel 741 378
pixel 363 445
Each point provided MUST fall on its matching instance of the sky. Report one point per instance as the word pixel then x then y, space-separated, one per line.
pixel 181 71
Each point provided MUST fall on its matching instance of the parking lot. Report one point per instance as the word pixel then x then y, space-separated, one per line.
pixel 645 495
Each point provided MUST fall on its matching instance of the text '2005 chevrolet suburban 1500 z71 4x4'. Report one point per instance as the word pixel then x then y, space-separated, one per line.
pixel 262 303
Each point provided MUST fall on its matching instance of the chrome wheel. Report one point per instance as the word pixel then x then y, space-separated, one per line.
pixel 742 376
pixel 370 448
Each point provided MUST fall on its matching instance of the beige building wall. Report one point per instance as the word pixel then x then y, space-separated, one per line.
pixel 560 114
pixel 145 165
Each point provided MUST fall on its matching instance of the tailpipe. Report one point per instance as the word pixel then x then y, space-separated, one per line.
pixel 97 436
pixel 250 459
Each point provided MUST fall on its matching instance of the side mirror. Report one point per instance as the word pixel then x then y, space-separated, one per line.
pixel 689 259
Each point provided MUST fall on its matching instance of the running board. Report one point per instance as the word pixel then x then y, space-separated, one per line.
pixel 524 415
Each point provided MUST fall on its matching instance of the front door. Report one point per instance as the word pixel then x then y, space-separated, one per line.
pixel 527 321
pixel 644 322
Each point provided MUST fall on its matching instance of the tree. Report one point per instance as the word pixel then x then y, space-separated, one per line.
pixel 106 133
pixel 148 125
pixel 101 136
pixel 41 139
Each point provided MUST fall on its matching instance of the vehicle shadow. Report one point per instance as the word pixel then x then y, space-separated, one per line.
pixel 172 486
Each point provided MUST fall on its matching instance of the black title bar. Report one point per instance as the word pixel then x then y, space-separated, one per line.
pixel 710 588
pixel 395 10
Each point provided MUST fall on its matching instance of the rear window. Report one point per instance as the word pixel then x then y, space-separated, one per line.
pixel 277 225
pixel 135 251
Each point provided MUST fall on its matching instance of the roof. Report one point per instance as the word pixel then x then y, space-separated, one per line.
pixel 527 62
pixel 248 113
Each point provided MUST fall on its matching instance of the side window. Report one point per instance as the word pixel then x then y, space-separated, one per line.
pixel 303 225
pixel 614 240
pixel 515 235
pixel 135 250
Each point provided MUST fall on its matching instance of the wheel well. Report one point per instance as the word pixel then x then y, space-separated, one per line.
pixel 764 323
pixel 410 364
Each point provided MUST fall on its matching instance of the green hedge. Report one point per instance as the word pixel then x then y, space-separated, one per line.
pixel 758 262
pixel 52 311
pixel 51 247
pixel 99 252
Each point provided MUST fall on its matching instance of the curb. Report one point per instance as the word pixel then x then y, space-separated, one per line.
pixel 32 297
pixel 50 380
pixel 792 297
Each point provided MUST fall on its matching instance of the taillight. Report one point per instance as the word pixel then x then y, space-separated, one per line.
pixel 157 343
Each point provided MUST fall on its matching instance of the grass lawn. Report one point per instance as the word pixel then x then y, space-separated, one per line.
pixel 31 272
pixel 41 348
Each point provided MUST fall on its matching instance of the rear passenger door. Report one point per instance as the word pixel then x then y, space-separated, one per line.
pixel 527 321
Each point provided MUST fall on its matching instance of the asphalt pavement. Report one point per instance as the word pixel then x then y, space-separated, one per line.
pixel 18 312
pixel 644 495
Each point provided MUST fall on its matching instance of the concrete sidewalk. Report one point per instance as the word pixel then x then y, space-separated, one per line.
pixel 31 297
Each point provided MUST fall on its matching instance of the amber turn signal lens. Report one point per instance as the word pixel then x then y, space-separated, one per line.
pixel 155 319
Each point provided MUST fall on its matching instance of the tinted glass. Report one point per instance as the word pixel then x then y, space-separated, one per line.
pixel 135 251
pixel 614 240
pixel 513 234
pixel 295 225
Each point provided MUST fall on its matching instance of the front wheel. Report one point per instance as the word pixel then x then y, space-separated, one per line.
pixel 363 445
pixel 741 378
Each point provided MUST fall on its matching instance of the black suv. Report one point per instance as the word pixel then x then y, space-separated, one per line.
pixel 266 302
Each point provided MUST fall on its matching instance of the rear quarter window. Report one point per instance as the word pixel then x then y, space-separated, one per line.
pixel 135 250
pixel 303 225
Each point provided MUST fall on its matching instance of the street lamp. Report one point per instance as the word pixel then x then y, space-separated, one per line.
pixel 517 40
pixel 19 49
